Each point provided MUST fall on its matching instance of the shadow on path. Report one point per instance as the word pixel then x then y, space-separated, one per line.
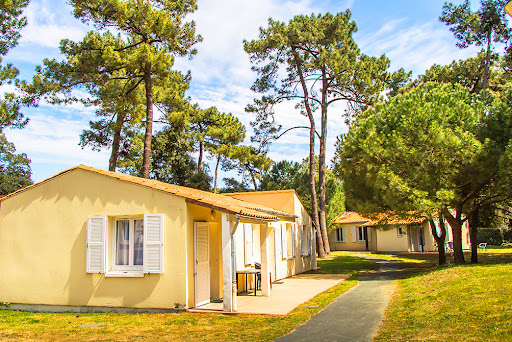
pixel 355 315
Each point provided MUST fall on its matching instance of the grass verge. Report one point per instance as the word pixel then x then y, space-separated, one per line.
pixel 183 326
pixel 463 303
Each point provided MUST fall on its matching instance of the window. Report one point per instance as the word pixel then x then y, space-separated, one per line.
pixel 339 235
pixel 399 231
pixel 137 245
pixel 294 239
pixel 248 234
pixel 128 245
pixel 360 234
pixel 305 238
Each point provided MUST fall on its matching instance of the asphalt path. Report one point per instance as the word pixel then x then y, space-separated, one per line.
pixel 355 315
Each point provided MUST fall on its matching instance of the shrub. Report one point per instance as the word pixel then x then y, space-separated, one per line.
pixel 493 236
pixel 507 235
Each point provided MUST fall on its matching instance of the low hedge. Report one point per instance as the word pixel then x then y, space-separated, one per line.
pixel 493 236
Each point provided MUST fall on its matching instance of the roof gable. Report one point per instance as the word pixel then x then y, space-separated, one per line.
pixel 194 196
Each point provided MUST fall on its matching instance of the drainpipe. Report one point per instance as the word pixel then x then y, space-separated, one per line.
pixel 233 256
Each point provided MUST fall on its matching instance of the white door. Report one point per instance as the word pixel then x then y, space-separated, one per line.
pixel 202 263
pixel 277 249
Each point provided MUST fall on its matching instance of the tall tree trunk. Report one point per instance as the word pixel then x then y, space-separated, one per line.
pixel 216 173
pixel 116 142
pixel 200 159
pixel 312 189
pixel 312 131
pixel 456 225
pixel 253 180
pixel 321 165
pixel 440 239
pixel 473 226
pixel 146 158
pixel 487 62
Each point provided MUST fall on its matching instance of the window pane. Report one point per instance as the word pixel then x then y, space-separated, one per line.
pixel 138 245
pixel 123 242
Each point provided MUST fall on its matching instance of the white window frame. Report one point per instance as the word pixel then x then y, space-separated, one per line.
pixel 360 233
pixel 294 240
pixel 248 243
pixel 399 231
pixel 130 267
pixel 339 233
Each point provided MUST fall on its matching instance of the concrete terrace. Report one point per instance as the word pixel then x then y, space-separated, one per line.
pixel 286 295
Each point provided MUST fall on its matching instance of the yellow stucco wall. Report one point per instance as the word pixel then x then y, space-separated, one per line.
pixel 43 244
pixel 349 244
pixel 389 241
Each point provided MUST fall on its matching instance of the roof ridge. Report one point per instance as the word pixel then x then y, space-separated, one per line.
pixel 200 197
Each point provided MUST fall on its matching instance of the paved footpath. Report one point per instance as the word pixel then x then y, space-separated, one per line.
pixel 355 315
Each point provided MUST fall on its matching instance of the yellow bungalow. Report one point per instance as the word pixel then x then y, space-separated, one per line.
pixel 284 246
pixel 93 240
pixel 354 232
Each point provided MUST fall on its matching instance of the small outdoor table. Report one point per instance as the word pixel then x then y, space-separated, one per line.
pixel 247 271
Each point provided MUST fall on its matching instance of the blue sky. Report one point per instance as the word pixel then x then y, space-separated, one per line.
pixel 408 32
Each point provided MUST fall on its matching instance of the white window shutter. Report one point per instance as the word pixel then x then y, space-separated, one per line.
pixel 369 234
pixel 344 234
pixel 301 229
pixel 294 239
pixel 354 233
pixel 248 243
pixel 153 243
pixel 309 240
pixel 95 244
pixel 284 240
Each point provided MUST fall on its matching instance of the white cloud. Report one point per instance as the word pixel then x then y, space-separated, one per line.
pixel 413 47
pixel 48 24
pixel 51 142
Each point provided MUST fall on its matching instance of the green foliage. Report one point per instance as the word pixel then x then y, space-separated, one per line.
pixel 475 28
pixel 480 28
pixel 466 72
pixel 249 161
pixel 492 236
pixel 233 185
pixel 171 159
pixel 412 152
pixel 137 60
pixel 14 168
pixel 313 49
pixel 11 23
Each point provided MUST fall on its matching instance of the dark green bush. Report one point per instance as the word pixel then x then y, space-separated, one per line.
pixel 507 235
pixel 493 236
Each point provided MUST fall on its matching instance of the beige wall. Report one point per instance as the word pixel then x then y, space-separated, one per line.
pixel 348 244
pixel 43 244
pixel 43 236
pixel 389 241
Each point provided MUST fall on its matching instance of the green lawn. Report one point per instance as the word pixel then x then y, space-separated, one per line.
pixel 433 303
pixel 180 326
pixel 464 303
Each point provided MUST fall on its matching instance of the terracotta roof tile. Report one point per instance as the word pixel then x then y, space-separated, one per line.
pixel 194 196
pixel 381 219
pixel 351 217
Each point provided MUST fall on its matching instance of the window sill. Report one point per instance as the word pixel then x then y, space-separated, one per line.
pixel 124 274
